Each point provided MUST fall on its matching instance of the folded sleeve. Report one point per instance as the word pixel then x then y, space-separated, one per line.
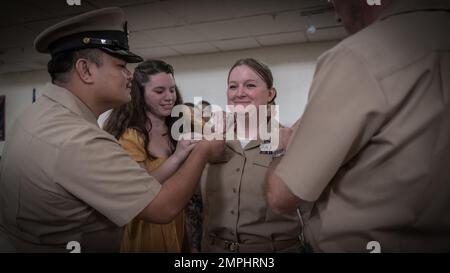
pixel 93 167
pixel 345 108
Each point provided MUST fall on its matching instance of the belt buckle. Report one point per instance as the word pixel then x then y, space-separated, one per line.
pixel 231 246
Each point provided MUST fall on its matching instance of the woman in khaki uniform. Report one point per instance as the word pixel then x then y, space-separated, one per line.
pixel 236 217
pixel 143 129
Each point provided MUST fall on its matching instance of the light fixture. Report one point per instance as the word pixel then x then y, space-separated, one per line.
pixel 311 28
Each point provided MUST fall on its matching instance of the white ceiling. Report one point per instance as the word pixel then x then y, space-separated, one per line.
pixel 162 28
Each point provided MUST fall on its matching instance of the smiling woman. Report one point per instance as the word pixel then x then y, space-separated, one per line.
pixel 235 215
pixel 142 127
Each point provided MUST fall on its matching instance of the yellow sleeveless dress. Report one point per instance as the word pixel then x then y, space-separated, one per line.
pixel 141 236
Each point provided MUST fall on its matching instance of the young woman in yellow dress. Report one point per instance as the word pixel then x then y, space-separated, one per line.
pixel 143 129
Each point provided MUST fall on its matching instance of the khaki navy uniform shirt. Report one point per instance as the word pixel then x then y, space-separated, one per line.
pixel 373 146
pixel 64 179
pixel 235 207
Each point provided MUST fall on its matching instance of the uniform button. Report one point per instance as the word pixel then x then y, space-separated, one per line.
pixel 238 169
pixel 234 190
pixel 232 212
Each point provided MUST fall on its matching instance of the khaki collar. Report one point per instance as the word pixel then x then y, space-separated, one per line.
pixel 235 145
pixel 407 6
pixel 69 101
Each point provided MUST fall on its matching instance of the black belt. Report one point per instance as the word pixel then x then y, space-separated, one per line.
pixel 267 246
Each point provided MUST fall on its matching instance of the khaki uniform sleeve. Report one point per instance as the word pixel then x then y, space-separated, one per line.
pixel 345 109
pixel 94 168
pixel 133 144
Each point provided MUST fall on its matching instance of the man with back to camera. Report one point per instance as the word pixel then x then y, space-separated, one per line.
pixel 372 149
pixel 63 178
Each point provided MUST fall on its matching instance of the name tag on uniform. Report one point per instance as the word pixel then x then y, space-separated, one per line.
pixel 266 148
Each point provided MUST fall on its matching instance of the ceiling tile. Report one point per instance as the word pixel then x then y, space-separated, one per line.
pixel 16 36
pixel 39 26
pixel 233 44
pixel 156 52
pixel 58 8
pixel 327 19
pixel 20 11
pixel 282 38
pixel 175 35
pixel 220 30
pixel 197 11
pixel 257 7
pixel 140 40
pixel 118 3
pixel 334 33
pixel 195 48
pixel 149 16
pixel 267 24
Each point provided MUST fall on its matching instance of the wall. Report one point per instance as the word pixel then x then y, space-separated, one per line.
pixel 201 75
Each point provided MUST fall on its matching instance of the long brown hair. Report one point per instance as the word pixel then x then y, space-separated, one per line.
pixel 133 114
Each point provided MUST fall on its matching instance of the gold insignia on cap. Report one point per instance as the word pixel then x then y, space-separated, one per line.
pixel 86 40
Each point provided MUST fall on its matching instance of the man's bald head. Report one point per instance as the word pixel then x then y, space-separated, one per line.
pixel 358 14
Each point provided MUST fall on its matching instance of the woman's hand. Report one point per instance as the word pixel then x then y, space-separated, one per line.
pixel 219 124
pixel 184 147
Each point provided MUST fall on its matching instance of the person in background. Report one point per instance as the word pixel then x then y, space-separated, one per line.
pixel 232 213
pixel 190 113
pixel 194 206
pixel 372 149
pixel 204 107
pixel 194 119
pixel 142 127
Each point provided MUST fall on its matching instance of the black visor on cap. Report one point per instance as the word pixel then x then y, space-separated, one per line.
pixel 125 55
